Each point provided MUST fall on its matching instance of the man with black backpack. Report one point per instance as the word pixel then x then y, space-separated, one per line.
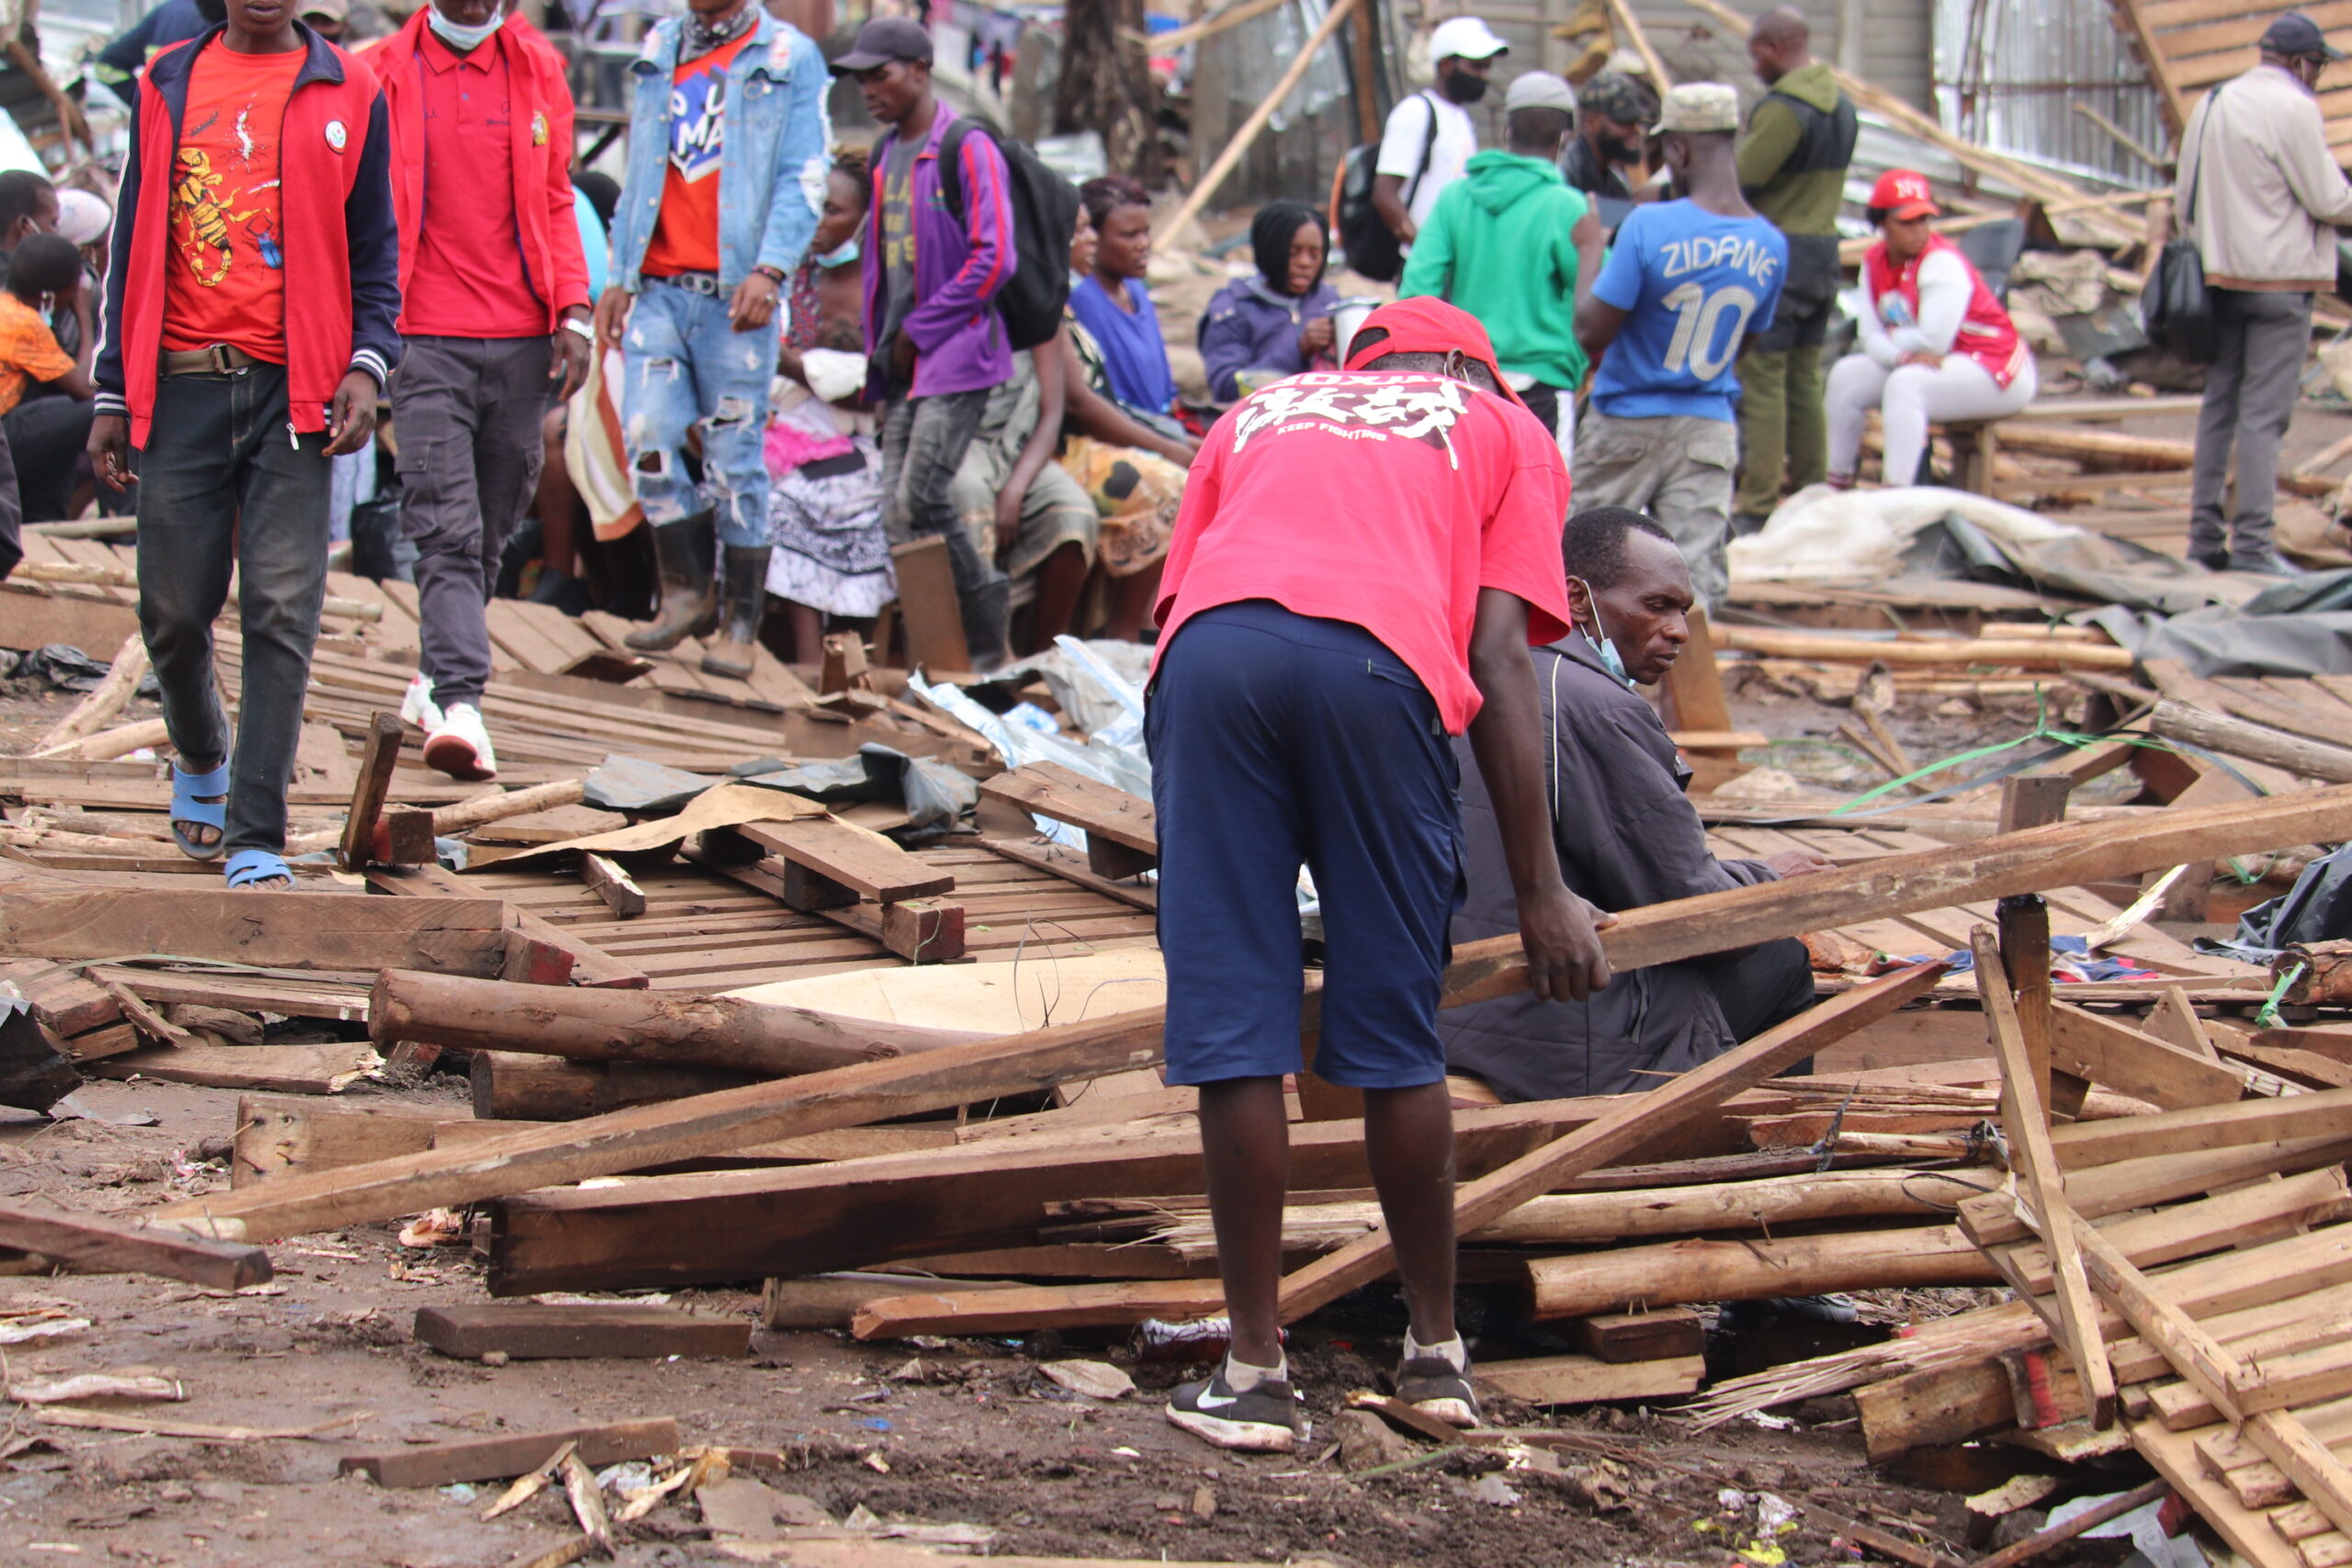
pixel 1430 136
pixel 943 251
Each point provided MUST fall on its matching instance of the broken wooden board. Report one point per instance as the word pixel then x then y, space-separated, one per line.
pixel 576 1331
pixel 280 1069
pixel 497 1459
pixel 1122 834
pixel 1582 1379
pixel 290 931
pixel 97 1243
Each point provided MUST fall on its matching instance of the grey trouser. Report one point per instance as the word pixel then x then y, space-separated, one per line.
pixel 467 412
pixel 924 443
pixel 2250 391
pixel 218 466
pixel 1677 469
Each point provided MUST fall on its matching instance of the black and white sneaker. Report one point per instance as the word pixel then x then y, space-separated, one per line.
pixel 1263 1420
pixel 1435 1386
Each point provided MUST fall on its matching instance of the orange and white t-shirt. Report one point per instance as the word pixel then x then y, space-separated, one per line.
pixel 225 274
pixel 28 350
pixel 686 234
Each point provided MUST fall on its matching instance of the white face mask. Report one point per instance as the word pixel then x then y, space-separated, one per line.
pixel 462 38
pixel 1605 645
pixel 840 255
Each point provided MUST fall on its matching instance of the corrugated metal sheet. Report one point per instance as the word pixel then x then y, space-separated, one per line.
pixel 2034 60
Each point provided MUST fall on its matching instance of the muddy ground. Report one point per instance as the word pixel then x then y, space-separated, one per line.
pixel 973 1434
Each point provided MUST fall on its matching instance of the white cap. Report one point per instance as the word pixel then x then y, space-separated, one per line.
pixel 1465 38
pixel 81 217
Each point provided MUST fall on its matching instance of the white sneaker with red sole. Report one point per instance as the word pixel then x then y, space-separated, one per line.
pixel 459 745
pixel 417 706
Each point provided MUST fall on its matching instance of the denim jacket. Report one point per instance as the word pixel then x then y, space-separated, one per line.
pixel 772 165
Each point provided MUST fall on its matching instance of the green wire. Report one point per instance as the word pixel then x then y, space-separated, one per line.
pixel 2266 1016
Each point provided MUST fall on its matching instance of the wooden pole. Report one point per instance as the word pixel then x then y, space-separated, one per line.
pixel 103 701
pixel 1226 161
pixel 1891 885
pixel 597 1024
pixel 1623 16
pixel 2033 800
pixel 2255 742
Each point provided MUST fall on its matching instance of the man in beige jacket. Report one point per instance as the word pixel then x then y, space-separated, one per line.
pixel 2259 189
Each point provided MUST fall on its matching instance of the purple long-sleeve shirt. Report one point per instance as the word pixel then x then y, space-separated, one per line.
pixel 960 341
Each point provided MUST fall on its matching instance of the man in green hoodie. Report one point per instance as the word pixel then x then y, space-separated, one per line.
pixel 1792 170
pixel 1514 245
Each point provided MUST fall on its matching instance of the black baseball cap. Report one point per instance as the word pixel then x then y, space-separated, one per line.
pixel 2296 35
pixel 885 38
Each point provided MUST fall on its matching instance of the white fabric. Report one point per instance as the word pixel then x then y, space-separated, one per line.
pixel 1400 147
pixel 1820 535
pixel 1909 398
pixel 1945 288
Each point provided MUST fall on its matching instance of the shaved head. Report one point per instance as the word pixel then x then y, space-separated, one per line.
pixel 1782 26
pixel 1779 42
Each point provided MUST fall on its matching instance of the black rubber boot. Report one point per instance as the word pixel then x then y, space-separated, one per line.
pixel 987 619
pixel 689 601
pixel 743 597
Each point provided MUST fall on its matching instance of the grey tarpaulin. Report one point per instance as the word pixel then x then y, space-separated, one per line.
pixel 631 784
pixel 2317 908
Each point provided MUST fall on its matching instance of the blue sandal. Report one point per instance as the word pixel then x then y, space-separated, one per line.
pixel 247 868
pixel 186 807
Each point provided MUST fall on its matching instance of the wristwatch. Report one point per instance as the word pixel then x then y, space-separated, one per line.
pixel 581 326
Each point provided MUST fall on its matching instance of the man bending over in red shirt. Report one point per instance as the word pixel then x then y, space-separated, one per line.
pixel 1324 641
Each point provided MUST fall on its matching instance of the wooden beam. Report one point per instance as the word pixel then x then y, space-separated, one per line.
pixel 681 1029
pixel 2321 1114
pixel 1247 132
pixel 1122 834
pixel 578 1330
pixel 498 1458
pixel 2028 1126
pixel 1942 652
pixel 264 929
pixel 2115 1055
pixel 95 1243
pixel 2045 857
pixel 376 764
pixel 2298 754
pixel 864 862
pixel 616 888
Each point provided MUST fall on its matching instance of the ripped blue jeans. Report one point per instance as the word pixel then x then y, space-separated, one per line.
pixel 686 365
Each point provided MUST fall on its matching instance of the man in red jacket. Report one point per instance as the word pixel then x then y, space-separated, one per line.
pixel 249 326
pixel 495 317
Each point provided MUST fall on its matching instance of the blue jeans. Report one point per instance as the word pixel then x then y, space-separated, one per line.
pixel 218 466
pixel 686 365
pixel 1278 739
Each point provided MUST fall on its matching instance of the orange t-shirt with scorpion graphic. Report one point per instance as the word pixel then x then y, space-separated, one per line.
pixel 226 273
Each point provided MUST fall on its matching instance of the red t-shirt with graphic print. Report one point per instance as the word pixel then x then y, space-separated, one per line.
pixel 225 276
pixel 686 233
pixel 1385 499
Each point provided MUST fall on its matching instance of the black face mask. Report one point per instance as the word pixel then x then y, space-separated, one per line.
pixel 1463 88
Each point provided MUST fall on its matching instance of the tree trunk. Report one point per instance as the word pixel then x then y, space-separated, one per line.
pixel 1106 86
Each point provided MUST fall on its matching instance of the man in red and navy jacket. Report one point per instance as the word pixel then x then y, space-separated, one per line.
pixel 249 330
pixel 495 317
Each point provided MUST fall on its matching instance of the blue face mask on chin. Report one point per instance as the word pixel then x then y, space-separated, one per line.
pixel 842 254
pixel 1605 645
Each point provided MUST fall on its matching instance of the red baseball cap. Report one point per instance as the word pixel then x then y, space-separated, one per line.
pixel 1426 325
pixel 1904 193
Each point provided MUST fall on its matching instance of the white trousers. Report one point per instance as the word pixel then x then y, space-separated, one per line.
pixel 1909 398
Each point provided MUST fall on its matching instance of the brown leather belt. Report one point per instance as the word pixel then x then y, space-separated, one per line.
pixel 218 360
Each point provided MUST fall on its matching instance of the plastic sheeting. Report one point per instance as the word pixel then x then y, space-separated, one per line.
pixel 937 798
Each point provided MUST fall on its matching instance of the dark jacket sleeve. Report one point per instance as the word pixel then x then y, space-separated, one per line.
pixel 107 369
pixel 122 59
pixel 375 239
pixel 1226 343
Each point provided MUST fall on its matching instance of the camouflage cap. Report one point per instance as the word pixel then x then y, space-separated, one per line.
pixel 1612 95
pixel 1700 106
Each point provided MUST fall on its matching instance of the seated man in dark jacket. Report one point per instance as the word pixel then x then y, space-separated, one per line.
pixel 1627 835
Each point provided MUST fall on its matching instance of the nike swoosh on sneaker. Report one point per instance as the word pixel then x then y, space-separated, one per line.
pixel 1207 1401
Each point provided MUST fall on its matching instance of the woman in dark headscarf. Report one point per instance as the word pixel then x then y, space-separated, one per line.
pixel 1262 329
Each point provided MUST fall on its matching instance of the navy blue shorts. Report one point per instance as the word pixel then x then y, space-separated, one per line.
pixel 1278 739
